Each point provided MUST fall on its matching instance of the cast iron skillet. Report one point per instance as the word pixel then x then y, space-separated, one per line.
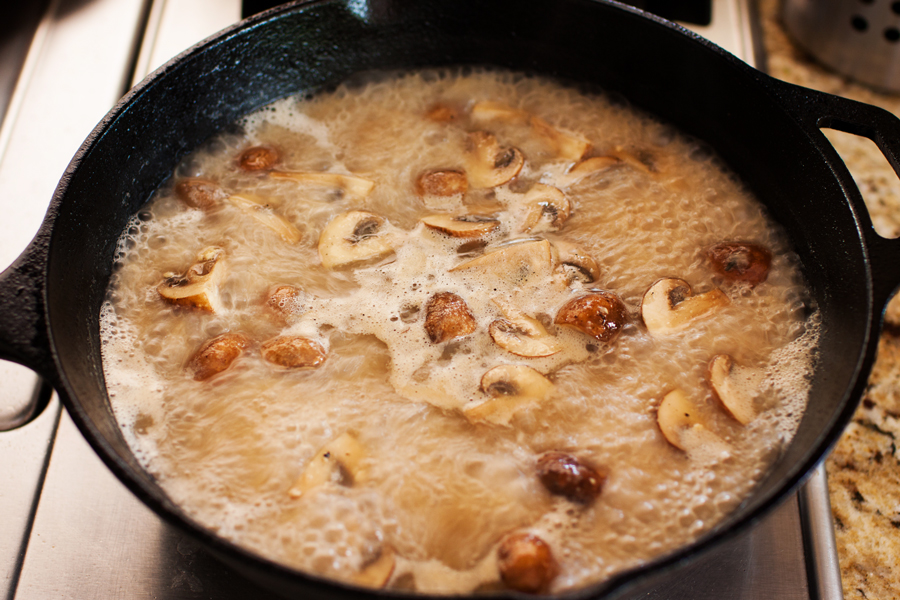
pixel 766 130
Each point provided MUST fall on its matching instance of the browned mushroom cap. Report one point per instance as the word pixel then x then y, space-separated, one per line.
pixel 601 315
pixel 442 113
pixel 258 158
pixel 199 193
pixel 293 352
pixel 216 355
pixel 462 226
pixel 448 182
pixel 526 563
pixel 565 475
pixel 489 164
pixel 447 317
pixel 199 285
pixel 285 299
pixel 740 261
pixel 670 305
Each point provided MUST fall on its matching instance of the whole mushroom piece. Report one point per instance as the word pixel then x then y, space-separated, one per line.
pixel 526 563
pixel 740 262
pixel 258 158
pixel 216 355
pixel 447 317
pixel 565 475
pixel 601 315
pixel 293 352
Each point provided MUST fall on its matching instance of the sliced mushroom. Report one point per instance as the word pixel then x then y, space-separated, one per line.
pixel 263 213
pixel 565 475
pixel 516 263
pixel 577 263
pixel 490 165
pixel 510 389
pixel 442 113
pixel 258 158
pixel 601 315
pixel 286 299
pixel 640 160
pixel 588 167
pixel 199 285
pixel 293 352
pixel 526 563
pixel 199 193
pixel 354 237
pixel 356 187
pixel 377 571
pixel 462 226
pixel 734 387
pixel 448 317
pixel 548 209
pixel 338 462
pixel 677 414
pixel 740 261
pixel 522 335
pixel 669 305
pixel 448 182
pixel 216 355
pixel 565 145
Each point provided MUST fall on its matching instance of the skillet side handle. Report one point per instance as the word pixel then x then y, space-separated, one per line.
pixel 23 320
pixel 816 110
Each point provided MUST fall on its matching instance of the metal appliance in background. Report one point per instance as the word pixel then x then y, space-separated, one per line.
pixel 69 529
pixel 857 38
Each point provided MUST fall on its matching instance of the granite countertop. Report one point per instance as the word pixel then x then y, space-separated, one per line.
pixel 864 469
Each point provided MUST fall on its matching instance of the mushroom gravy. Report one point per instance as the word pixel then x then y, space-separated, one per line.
pixel 424 284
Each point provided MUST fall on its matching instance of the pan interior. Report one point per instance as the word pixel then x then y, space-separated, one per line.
pixel 303 49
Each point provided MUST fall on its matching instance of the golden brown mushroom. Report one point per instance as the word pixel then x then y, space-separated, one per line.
pixel 216 355
pixel 526 563
pixel 448 317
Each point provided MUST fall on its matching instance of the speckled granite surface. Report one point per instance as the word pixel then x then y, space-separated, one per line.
pixel 864 470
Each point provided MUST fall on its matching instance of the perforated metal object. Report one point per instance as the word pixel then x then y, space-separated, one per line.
pixel 858 38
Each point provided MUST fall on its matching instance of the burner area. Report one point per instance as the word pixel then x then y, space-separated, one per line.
pixel 70 529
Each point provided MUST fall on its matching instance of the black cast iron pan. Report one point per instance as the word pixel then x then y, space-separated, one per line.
pixel 766 130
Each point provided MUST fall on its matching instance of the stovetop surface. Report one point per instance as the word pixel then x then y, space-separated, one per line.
pixel 68 528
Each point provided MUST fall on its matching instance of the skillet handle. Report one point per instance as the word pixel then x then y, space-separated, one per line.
pixel 816 110
pixel 23 322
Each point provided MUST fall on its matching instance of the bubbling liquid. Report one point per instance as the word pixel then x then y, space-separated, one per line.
pixel 435 486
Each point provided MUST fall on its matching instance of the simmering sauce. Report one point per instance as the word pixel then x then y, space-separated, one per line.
pixel 387 389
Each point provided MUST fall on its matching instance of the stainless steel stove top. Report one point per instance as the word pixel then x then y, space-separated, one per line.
pixel 68 528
